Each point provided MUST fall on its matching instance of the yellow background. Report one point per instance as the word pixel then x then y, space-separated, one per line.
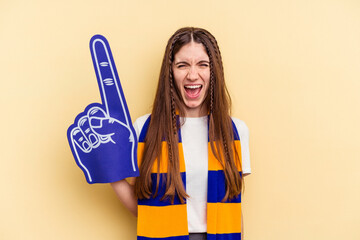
pixel 293 70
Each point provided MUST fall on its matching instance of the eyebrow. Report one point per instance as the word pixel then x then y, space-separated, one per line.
pixel 184 62
pixel 204 61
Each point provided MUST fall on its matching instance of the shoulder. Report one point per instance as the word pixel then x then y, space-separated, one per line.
pixel 241 126
pixel 139 123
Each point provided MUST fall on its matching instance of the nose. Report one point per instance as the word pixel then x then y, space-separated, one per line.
pixel 193 74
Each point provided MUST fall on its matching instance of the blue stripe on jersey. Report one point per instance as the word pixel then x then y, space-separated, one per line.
pixel 144 130
pixel 162 187
pixel 224 236
pixel 216 187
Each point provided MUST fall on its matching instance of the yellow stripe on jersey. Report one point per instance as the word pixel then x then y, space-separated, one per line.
pixel 215 165
pixel 223 218
pixel 169 216
pixel 163 158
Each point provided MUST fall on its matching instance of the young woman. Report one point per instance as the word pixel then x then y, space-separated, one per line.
pixel 192 155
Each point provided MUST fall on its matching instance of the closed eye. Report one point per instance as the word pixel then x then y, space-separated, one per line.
pixel 203 64
pixel 182 64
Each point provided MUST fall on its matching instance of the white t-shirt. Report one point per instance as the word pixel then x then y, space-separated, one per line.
pixel 194 134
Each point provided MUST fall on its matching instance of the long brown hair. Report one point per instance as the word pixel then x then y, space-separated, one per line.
pixel 164 126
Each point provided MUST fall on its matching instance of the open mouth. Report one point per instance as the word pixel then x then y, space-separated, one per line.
pixel 193 90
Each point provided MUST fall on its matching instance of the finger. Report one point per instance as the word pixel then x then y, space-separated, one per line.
pixel 111 91
pixel 77 146
pixel 91 137
pixel 98 112
pixel 107 126
pixel 80 140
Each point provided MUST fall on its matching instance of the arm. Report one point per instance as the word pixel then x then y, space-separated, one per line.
pixel 125 193
pixel 123 189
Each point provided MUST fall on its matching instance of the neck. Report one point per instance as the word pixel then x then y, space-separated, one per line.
pixel 196 112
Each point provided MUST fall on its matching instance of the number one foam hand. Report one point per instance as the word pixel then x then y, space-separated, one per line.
pixel 102 138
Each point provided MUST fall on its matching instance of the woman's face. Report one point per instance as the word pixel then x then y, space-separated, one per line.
pixel 191 71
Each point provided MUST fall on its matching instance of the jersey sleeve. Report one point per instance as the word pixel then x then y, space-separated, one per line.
pixel 243 132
